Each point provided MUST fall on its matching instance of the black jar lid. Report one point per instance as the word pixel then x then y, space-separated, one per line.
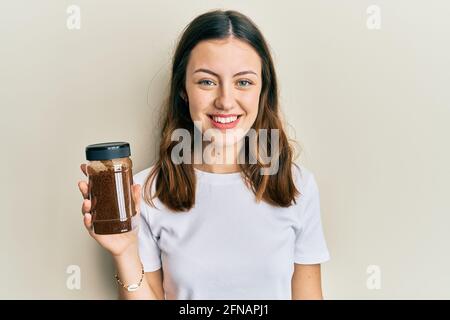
pixel 108 151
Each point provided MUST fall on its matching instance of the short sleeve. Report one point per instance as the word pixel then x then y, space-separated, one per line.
pixel 149 251
pixel 310 244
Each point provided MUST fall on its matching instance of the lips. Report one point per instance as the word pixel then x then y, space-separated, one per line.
pixel 224 121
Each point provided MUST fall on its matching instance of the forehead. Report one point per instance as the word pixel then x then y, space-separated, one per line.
pixel 229 55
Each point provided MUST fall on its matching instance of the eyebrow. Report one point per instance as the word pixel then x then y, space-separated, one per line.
pixel 215 74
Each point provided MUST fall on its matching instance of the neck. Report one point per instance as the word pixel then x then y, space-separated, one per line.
pixel 220 159
pixel 214 168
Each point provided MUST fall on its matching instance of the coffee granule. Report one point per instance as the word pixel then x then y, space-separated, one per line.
pixel 112 204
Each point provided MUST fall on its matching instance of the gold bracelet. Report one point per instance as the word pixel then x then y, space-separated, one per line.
pixel 131 287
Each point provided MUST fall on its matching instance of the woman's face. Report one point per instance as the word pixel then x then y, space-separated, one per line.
pixel 223 85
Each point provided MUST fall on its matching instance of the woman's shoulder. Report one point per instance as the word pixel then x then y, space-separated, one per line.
pixel 303 177
pixel 141 176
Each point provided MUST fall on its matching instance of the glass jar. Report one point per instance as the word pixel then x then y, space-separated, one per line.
pixel 109 171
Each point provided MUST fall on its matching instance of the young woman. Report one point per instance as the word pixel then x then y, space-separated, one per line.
pixel 221 229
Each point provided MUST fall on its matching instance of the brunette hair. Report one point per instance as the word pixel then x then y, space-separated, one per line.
pixel 176 183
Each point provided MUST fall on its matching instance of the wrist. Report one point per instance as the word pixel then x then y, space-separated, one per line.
pixel 129 269
pixel 131 286
pixel 129 253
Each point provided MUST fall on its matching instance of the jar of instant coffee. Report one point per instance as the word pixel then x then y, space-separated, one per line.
pixel 109 170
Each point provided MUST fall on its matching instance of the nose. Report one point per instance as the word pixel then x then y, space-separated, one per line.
pixel 225 99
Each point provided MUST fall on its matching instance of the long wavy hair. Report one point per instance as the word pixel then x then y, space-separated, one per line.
pixel 176 183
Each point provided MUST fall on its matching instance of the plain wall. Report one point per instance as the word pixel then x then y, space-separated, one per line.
pixel 370 109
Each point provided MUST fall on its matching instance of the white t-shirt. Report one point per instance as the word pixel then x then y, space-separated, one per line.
pixel 228 246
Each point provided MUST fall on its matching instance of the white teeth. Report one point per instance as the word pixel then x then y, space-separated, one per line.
pixel 224 120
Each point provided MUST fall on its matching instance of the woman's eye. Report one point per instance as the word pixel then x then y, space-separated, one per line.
pixel 206 82
pixel 244 83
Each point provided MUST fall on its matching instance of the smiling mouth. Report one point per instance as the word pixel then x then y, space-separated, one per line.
pixel 225 121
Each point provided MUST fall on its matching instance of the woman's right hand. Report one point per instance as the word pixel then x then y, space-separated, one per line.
pixel 116 244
